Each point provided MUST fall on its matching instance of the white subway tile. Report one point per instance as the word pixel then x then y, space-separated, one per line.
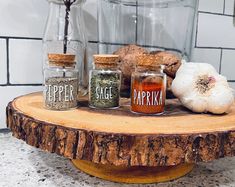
pixel 215 6
pixel 211 56
pixel 232 85
pixel 228 64
pixel 3 62
pixel 25 61
pixel 216 31
pixel 28 18
pixel 90 19
pixel 9 93
pixel 24 18
pixel 229 7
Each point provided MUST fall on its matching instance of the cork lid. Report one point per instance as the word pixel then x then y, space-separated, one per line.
pixel 150 61
pixel 106 59
pixel 67 60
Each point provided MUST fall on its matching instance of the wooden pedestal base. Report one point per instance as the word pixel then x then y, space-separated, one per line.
pixel 141 175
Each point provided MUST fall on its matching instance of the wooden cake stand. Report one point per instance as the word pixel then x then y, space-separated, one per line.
pixel 119 146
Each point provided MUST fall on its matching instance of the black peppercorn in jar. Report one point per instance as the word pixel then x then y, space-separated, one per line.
pixel 60 82
pixel 105 82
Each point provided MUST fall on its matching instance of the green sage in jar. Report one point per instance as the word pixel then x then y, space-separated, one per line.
pixel 61 83
pixel 105 82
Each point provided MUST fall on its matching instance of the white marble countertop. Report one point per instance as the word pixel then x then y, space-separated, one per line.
pixel 23 165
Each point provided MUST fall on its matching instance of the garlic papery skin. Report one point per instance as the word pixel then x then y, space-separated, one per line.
pixel 201 89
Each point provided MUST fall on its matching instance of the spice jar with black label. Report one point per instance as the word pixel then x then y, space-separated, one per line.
pixel 60 82
pixel 148 86
pixel 105 82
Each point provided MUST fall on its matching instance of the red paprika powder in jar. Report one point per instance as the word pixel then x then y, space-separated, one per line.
pixel 148 86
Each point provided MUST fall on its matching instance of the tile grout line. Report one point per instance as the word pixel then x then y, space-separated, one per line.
pixel 20 38
pixel 5 85
pixel 98 27
pixel 221 58
pixel 224 7
pixel 93 42
pixel 214 13
pixel 7 61
pixel 202 47
pixel 5 131
pixel 195 45
pixel 136 22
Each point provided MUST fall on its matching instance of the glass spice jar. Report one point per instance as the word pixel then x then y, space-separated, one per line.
pixel 148 86
pixel 60 82
pixel 105 82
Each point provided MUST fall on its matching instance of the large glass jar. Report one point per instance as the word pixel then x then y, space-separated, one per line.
pixel 105 82
pixel 153 24
pixel 64 34
pixel 60 83
pixel 162 27
pixel 148 86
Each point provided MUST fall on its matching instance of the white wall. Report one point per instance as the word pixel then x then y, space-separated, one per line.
pixel 22 23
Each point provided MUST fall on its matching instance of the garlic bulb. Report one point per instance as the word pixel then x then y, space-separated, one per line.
pixel 201 89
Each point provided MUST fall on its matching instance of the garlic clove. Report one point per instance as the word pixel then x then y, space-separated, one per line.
pixel 180 85
pixel 195 102
pixel 220 100
pixel 183 80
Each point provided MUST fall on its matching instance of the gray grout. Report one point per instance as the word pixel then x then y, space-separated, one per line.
pixel 221 58
pixel 214 13
pixel 7 60
pixel 4 131
pixel 224 7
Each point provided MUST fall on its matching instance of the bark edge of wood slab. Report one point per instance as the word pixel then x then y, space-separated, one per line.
pixel 119 149
pixel 135 174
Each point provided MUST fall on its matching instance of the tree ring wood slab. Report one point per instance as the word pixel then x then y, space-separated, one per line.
pixel 120 138
pixel 134 174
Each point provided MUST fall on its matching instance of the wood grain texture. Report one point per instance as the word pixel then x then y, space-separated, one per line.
pixel 121 138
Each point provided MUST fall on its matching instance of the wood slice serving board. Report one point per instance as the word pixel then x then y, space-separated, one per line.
pixel 118 138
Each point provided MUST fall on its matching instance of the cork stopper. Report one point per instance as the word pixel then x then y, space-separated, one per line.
pixel 67 60
pixel 105 60
pixel 150 61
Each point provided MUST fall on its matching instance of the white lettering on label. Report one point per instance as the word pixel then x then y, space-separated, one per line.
pixel 49 93
pixel 71 98
pixel 153 98
pixel 66 93
pixel 148 100
pixel 55 90
pixel 104 93
pixel 60 93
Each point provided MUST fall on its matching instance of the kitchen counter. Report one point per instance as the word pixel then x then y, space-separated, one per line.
pixel 23 165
